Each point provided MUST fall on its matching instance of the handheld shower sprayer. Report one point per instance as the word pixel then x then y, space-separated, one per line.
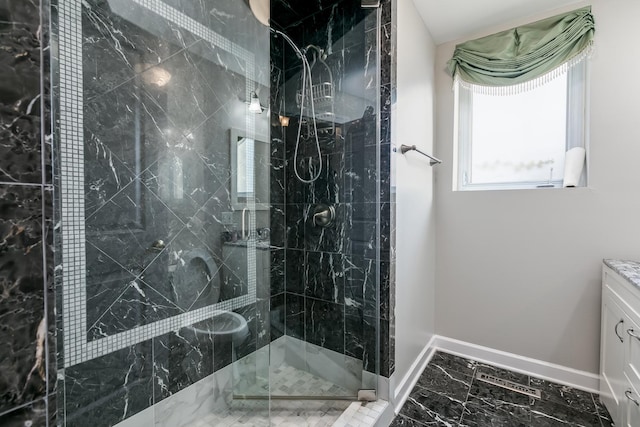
pixel 306 79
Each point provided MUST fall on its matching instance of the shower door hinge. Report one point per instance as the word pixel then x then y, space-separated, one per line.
pixel 370 4
pixel 367 395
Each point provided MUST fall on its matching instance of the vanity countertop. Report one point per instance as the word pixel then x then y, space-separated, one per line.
pixel 629 270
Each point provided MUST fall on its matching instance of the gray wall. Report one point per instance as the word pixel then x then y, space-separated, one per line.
pixel 27 373
pixel 413 123
pixel 519 271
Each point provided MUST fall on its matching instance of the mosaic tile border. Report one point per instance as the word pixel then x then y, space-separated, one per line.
pixel 73 269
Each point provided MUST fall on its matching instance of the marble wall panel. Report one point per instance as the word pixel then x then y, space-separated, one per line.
pixel 277 312
pixel 324 324
pixel 111 388
pixel 182 358
pixel 325 276
pixel 387 191
pixel 27 357
pixel 33 414
pixel 295 316
pixel 22 308
pixel 20 77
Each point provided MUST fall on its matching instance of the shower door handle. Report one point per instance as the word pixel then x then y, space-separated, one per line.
pixel 245 232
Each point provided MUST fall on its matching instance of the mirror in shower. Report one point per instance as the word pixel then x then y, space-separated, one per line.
pixel 250 166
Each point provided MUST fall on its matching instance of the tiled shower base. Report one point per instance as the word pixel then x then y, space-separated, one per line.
pixel 210 402
pixel 285 380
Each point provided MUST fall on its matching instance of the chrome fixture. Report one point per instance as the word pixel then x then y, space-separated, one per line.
pixel 158 246
pixel 245 231
pixel 254 104
pixel 323 215
pixel 404 148
pixel 509 385
pixel 365 395
pixel 370 4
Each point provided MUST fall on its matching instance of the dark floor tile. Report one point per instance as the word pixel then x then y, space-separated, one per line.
pixel 564 395
pixel 447 382
pixel 605 417
pixel 438 400
pixel 552 414
pixel 478 413
pixel 432 408
pixel 453 363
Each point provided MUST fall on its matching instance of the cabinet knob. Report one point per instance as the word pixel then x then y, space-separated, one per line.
pixel 616 329
pixel 629 393
pixel 633 334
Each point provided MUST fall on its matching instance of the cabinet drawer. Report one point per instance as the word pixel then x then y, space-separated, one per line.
pixel 632 362
pixel 631 415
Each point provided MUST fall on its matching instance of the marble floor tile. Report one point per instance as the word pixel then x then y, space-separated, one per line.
pixel 445 381
pixel 439 398
pixel 429 407
pixel 564 395
pixel 551 414
pixel 497 413
pixel 453 363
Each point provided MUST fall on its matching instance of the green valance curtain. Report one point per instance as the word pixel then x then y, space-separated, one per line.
pixel 526 53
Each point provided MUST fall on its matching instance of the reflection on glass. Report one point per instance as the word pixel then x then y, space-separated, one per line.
pixel 250 167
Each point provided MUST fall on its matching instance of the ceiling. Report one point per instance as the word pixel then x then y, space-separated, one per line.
pixel 454 19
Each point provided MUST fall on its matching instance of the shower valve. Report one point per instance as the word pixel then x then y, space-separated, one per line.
pixel 323 215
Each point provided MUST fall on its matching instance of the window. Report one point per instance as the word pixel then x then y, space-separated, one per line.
pixel 519 140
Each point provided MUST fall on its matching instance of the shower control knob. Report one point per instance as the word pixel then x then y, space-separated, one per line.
pixel 158 245
pixel 323 215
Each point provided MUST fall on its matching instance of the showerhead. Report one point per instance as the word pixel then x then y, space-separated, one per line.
pixel 261 10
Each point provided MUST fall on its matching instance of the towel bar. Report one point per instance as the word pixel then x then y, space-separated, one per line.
pixel 404 148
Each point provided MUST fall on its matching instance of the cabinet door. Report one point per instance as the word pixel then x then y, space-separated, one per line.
pixel 630 407
pixel 614 337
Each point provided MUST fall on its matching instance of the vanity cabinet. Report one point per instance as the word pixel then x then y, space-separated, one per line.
pixel 620 348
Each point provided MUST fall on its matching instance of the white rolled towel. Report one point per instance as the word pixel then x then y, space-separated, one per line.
pixel 573 165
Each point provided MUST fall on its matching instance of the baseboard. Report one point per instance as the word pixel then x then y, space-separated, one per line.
pixel 548 371
pixel 403 389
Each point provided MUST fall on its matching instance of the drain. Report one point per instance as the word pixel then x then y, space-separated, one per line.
pixel 509 385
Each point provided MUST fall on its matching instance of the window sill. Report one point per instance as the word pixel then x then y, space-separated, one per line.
pixel 503 187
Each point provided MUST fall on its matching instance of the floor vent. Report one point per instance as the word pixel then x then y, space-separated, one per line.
pixel 509 385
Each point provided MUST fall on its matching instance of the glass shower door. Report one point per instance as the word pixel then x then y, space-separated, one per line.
pixel 324 309
pixel 162 212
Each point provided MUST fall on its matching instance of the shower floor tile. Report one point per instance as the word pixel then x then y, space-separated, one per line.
pixel 285 381
pixel 448 393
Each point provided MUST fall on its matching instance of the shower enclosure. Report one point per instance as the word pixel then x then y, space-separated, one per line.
pixel 216 208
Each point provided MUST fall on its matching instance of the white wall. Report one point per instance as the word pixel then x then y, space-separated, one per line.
pixel 413 123
pixel 519 271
